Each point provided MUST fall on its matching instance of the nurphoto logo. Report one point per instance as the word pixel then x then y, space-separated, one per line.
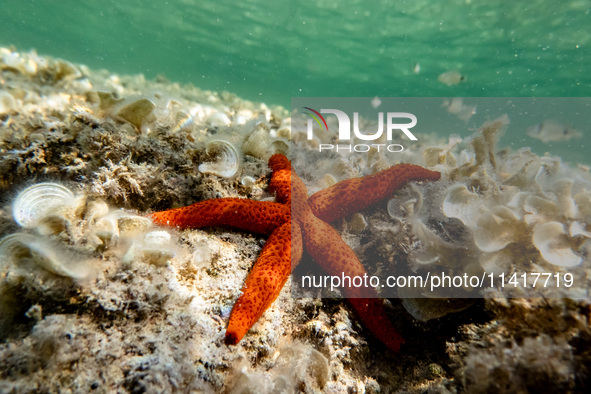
pixel 344 132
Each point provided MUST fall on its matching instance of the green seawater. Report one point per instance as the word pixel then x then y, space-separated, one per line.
pixel 271 51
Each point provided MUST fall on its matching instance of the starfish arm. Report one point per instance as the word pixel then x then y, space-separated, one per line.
pixel 297 245
pixel 281 178
pixel 261 217
pixel 347 197
pixel 372 314
pixel 327 248
pixel 265 281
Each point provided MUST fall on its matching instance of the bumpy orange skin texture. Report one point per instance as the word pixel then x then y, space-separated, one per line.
pixel 261 217
pixel 296 222
pixel 353 195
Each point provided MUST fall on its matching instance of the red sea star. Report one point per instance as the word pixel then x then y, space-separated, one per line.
pixel 292 223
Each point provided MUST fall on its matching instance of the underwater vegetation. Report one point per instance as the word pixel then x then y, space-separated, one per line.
pixel 95 296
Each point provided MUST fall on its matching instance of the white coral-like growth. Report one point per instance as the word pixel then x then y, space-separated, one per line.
pixel 256 142
pixel 510 205
pixel 550 239
pixel 218 119
pixel 296 364
pixel 157 247
pixel 137 112
pixel 7 103
pixel 38 202
pixel 46 254
pixel 462 204
pixel 227 159
pixel 496 229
